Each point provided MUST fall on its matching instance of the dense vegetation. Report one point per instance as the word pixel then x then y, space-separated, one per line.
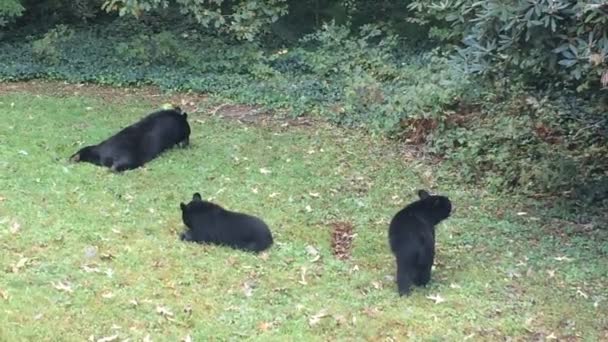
pixel 512 94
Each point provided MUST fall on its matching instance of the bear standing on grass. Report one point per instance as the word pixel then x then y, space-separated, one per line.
pixel 139 143
pixel 209 223
pixel 412 239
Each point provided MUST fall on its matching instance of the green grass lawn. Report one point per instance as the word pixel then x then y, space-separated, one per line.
pixel 86 253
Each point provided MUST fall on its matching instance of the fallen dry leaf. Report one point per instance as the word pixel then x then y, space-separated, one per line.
pixel 89 269
pixel 436 298
pixel 340 319
pixel 107 256
pixel 108 339
pixel 308 209
pixel 20 264
pixel 163 311
pixel 311 250
pixel 61 286
pixel 15 227
pixel 315 319
pixel 4 294
pixel 107 295
pixel 187 338
pixel 342 239
pixel 265 171
pixel 371 312
pixel 303 276
pixel 147 338
pixel 248 289
pixel 563 258
pixel 265 326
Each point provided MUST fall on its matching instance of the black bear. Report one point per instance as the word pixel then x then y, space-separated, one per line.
pixel 412 239
pixel 139 143
pixel 210 223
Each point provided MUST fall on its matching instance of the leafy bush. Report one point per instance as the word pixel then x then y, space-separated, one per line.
pixel 47 47
pixel 9 9
pixel 533 142
pixel 543 40
pixel 505 135
pixel 244 19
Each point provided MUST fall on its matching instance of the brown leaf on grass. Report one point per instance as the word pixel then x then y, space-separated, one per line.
pixel 316 318
pixel 342 239
pixel 187 338
pixel 63 286
pixel 147 338
pixel 248 288
pixel 163 311
pixel 264 255
pixel 303 276
pixel 107 256
pixel 265 326
pixel 107 295
pixel 19 265
pixel 312 251
pixel 436 298
pixel 15 227
pixel 371 312
pixel 4 294
pixel 108 339
pixel 91 269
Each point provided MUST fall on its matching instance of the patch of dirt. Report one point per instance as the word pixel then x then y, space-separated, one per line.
pixel 257 114
pixel 188 102
pixel 342 239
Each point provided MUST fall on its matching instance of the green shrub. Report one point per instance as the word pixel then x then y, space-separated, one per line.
pixel 9 10
pixel 533 142
pixel 543 40
pixel 47 49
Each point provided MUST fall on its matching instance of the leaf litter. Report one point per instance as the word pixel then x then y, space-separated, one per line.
pixel 342 239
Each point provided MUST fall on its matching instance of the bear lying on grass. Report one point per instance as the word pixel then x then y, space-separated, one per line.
pixel 412 239
pixel 209 223
pixel 139 143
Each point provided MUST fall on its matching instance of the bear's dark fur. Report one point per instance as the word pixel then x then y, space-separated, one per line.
pixel 139 143
pixel 209 223
pixel 412 239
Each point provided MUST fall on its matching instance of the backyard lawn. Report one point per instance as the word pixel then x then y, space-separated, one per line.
pixel 87 254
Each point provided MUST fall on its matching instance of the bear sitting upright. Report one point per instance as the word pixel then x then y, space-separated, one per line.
pixel 139 143
pixel 209 223
pixel 412 239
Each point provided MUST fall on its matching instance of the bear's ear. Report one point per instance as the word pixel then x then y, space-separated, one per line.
pixel 196 197
pixel 423 194
pixel 183 206
pixel 185 115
